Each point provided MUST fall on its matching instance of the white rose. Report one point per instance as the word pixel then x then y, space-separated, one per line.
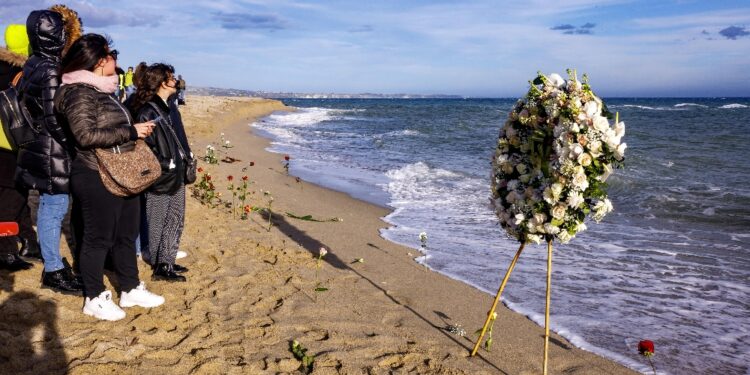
pixel 549 196
pixel 539 218
pixel 591 108
pixel 501 158
pixel 574 85
pixel 580 181
pixel 530 227
pixel 601 123
pixel 620 151
pixel 558 212
pixel 575 199
pixel 584 159
pixel 574 127
pixel 620 129
pixel 556 80
pixel 595 148
pixel 520 218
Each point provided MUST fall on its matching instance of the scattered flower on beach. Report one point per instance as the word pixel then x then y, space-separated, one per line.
pixel 200 170
pixel 244 178
pixel 248 208
pixel 322 252
pixel 300 353
pixel 210 156
pixel 252 163
pixel 553 156
pixel 230 178
pixel 225 143
pixel 286 157
pixel 208 177
pixel 423 239
pixel 360 260
pixel 646 349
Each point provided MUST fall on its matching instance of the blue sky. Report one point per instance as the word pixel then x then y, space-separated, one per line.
pixel 472 48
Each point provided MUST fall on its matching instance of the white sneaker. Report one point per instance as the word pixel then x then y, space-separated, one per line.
pixel 180 254
pixel 139 296
pixel 102 307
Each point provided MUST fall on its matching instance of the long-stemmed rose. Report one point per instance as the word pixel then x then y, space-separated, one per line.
pixel 646 349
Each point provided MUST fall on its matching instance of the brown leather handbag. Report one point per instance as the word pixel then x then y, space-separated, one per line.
pixel 126 173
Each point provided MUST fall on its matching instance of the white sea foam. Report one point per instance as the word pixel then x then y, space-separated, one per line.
pixel 691 105
pixel 733 106
pixel 655 108
pixel 399 133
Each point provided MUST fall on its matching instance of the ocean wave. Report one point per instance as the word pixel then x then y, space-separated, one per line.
pixel 303 117
pixel 733 106
pixel 691 105
pixel 655 108
pixel 399 133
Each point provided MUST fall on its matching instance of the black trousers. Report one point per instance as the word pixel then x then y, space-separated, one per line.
pixel 110 226
pixel 13 207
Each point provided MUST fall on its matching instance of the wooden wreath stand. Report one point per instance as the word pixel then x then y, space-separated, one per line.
pixel 546 307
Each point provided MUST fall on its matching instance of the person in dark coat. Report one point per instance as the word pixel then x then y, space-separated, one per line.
pixel 97 120
pixel 165 199
pixel 44 165
pixel 14 207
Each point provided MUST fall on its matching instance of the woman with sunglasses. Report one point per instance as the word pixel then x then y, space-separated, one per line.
pixel 165 199
pixel 97 120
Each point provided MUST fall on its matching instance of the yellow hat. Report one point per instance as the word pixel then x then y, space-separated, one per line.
pixel 16 39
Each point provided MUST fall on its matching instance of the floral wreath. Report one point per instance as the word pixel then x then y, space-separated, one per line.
pixel 553 157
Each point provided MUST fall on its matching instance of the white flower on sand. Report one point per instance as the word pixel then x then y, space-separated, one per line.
pixel 556 80
pixel 226 142
pixel 575 199
pixel 222 134
pixel 423 237
pixel 322 252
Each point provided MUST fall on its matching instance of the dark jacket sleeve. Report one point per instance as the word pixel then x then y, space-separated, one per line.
pixel 79 106
pixel 155 141
pixel 49 87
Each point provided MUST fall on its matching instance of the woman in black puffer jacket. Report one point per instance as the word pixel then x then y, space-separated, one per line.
pixel 165 199
pixel 97 120
pixel 44 164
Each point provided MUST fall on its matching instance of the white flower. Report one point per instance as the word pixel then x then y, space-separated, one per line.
pixel 601 123
pixel 534 238
pixel 520 218
pixel 322 252
pixel 226 142
pixel 551 229
pixel 576 150
pixel 584 159
pixel 595 148
pixel 507 167
pixel 574 85
pixel 557 189
pixel 575 199
pixel 558 211
pixel 556 80
pixel 620 151
pixel 539 218
pixel 564 236
pixel 549 196
pixel 580 181
pixel 620 129
pixel 222 134
pixel 574 127
pixel 591 108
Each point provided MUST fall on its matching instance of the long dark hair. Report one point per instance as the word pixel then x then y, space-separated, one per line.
pixel 148 83
pixel 85 53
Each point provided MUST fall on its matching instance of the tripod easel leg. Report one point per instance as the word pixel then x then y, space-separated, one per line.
pixel 547 305
pixel 497 299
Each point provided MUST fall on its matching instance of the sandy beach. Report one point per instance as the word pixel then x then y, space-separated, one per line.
pixel 251 290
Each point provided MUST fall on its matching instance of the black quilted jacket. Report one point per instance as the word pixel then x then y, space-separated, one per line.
pixel 44 165
pixel 95 119
pixel 164 143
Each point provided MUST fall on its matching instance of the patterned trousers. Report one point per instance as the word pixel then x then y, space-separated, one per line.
pixel 165 214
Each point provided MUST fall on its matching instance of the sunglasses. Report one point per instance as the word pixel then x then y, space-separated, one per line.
pixel 114 53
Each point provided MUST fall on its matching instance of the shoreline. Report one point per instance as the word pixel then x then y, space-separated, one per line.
pixel 250 292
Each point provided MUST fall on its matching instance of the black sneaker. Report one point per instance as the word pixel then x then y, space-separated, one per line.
pixel 179 269
pixel 61 282
pixel 29 250
pixel 165 272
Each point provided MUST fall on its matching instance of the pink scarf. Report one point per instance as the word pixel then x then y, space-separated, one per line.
pixel 106 84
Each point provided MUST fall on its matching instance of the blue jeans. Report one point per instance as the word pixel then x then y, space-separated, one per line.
pixel 129 90
pixel 52 210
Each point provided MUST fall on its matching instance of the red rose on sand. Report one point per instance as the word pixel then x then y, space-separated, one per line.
pixel 286 157
pixel 244 178
pixel 252 163
pixel 230 178
pixel 200 170
pixel 248 209
pixel 646 347
pixel 208 178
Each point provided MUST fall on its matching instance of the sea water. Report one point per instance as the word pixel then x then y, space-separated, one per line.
pixel 670 264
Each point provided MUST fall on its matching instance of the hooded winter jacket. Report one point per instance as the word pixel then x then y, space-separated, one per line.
pixel 44 164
